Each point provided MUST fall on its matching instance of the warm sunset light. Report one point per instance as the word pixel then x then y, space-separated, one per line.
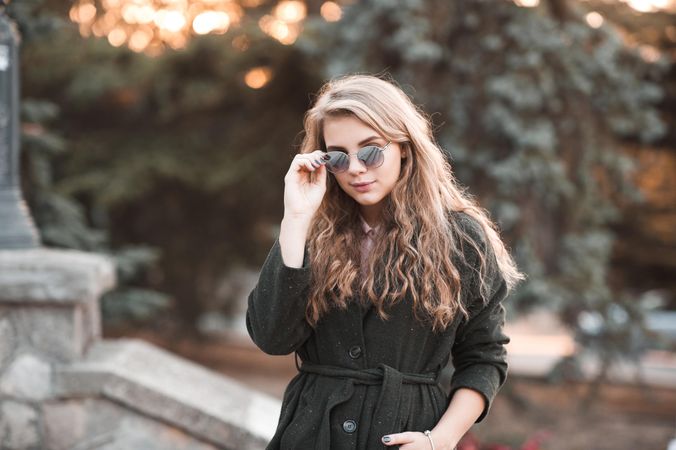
pixel 211 21
pixel 84 13
pixel 284 32
pixel 646 6
pixel 290 11
pixel 649 53
pixel 149 25
pixel 117 37
pixel 331 11
pixel 258 77
pixel 132 13
pixel 170 20
pixel 594 19
pixel 140 39
pixel 527 3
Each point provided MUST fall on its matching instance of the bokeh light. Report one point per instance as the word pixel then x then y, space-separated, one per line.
pixel 649 53
pixel 117 37
pixel 290 11
pixel 594 19
pixel 284 32
pixel 258 77
pixel 647 6
pixel 211 21
pixel 527 3
pixel 331 11
pixel 150 25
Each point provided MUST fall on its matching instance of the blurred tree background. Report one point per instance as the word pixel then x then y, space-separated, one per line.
pixel 557 114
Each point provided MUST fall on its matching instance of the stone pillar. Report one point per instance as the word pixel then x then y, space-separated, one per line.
pixel 49 315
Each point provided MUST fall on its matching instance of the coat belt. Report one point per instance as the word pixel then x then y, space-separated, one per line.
pixel 386 413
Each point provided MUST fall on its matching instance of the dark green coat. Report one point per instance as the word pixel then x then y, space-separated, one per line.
pixel 363 377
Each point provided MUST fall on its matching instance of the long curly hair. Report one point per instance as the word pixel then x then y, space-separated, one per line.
pixel 420 244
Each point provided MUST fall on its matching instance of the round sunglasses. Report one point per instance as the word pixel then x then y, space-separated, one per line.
pixel 371 156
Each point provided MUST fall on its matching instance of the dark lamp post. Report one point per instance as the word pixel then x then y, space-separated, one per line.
pixel 17 229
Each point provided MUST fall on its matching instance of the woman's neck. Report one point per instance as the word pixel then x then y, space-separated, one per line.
pixel 371 214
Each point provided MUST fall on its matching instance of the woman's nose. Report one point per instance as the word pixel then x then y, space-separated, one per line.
pixel 356 165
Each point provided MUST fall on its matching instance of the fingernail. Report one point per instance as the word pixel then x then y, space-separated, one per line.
pixel 386 439
pixel 326 157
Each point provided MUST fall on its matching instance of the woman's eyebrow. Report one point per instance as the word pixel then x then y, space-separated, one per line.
pixel 364 141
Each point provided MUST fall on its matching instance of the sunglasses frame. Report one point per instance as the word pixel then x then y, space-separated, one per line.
pixel 350 155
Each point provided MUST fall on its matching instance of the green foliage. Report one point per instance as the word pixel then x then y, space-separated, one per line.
pixel 62 220
pixel 34 19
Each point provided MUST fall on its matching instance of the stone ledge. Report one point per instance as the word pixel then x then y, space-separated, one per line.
pixel 49 275
pixel 157 383
pixel 101 424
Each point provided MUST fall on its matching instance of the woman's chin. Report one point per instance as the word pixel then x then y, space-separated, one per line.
pixel 365 200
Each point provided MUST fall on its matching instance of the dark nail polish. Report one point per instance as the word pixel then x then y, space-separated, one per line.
pixel 386 439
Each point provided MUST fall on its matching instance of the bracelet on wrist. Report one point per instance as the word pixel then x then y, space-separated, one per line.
pixel 428 433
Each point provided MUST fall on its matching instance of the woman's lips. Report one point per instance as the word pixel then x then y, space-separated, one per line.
pixel 363 187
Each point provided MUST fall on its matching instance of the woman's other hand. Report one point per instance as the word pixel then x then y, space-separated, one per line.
pixel 414 440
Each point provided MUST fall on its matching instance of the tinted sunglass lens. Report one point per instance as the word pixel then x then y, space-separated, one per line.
pixel 371 156
pixel 337 162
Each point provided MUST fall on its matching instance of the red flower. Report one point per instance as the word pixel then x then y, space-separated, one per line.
pixel 536 440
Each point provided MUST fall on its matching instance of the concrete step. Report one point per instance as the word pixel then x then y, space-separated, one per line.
pixel 159 384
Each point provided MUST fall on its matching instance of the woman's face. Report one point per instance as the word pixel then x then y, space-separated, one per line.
pixel 368 187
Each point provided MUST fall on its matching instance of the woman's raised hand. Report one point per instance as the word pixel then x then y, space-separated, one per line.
pixel 305 185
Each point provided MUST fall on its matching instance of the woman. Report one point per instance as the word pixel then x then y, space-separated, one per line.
pixel 383 269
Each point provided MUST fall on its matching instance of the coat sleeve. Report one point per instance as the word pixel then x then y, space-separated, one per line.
pixel 275 315
pixel 479 354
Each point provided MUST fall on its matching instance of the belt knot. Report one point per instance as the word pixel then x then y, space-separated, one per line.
pixel 386 414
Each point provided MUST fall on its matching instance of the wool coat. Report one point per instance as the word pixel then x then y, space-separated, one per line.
pixel 361 377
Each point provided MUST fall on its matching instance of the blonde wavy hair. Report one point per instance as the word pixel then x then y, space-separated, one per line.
pixel 420 239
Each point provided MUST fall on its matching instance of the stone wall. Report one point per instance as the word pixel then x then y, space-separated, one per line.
pixel 63 387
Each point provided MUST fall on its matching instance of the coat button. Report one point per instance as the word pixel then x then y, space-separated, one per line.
pixel 349 426
pixel 355 352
